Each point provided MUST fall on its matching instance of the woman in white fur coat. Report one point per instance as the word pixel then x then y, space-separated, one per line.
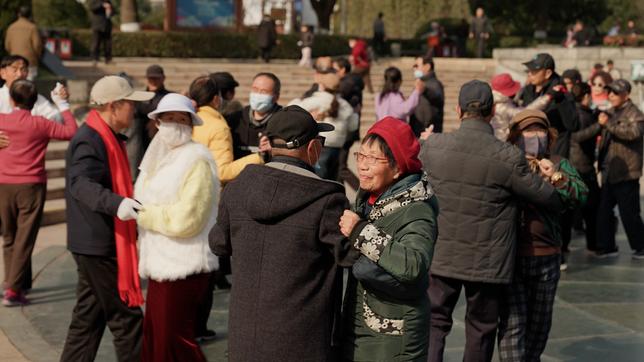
pixel 178 187
pixel 328 107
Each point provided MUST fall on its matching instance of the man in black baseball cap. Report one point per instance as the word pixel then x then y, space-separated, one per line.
pixel 562 114
pixel 475 98
pixel 485 178
pixel 294 127
pixel 280 221
pixel 142 131
pixel 541 61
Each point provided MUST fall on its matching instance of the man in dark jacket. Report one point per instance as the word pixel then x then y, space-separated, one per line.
pixel 477 180
pixel 266 37
pixel 250 123
pixel 279 223
pixel 429 110
pixel 480 30
pixel 561 112
pixel 92 207
pixel 620 164
pixel 582 157
pixel 350 89
pixel 102 12
pixel 143 129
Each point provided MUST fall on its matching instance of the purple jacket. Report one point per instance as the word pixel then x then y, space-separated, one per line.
pixel 395 105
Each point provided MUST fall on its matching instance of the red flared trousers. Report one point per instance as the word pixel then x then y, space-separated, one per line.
pixel 170 320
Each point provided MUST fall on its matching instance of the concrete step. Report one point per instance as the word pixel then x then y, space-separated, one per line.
pixel 54 212
pixel 55 188
pixel 55 168
pixel 56 150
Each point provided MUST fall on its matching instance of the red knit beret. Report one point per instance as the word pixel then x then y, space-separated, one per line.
pixel 402 142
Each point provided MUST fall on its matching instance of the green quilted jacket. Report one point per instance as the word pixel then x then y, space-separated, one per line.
pixel 386 309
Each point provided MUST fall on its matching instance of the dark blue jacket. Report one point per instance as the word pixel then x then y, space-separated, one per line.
pixel 91 204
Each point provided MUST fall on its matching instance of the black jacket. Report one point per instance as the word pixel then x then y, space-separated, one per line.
pixel 99 19
pixel 91 204
pixel 280 225
pixel 583 142
pixel 141 115
pixel 478 181
pixel 307 39
pixel 350 89
pixel 266 34
pixel 430 106
pixel 246 132
pixel 561 114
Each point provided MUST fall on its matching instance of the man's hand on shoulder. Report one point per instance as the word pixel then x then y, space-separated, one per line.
pixel 427 132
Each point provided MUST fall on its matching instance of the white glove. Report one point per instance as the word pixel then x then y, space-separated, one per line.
pixel 128 209
pixel 59 101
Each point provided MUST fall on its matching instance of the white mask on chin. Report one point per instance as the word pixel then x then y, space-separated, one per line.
pixel 174 134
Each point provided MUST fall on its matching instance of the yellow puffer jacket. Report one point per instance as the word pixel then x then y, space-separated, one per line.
pixel 215 134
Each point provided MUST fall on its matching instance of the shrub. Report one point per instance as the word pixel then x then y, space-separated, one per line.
pixel 60 14
pixel 203 45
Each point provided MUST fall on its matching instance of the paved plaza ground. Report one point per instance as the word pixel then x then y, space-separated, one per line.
pixel 598 312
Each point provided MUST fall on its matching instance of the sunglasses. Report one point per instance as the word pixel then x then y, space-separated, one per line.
pixel 599 84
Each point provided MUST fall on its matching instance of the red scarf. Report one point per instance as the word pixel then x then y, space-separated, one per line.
pixel 124 231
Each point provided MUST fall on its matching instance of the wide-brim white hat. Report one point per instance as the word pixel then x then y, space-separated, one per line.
pixel 175 102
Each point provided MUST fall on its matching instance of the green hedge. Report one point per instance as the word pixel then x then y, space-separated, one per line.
pixel 203 45
pixel 243 45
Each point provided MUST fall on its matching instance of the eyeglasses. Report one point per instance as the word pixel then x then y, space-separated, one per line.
pixel 368 159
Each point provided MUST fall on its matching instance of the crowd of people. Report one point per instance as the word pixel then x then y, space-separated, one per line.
pixel 204 186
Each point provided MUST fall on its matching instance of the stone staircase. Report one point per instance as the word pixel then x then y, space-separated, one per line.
pixel 295 81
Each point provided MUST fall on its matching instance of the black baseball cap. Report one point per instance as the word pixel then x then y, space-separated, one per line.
pixel 541 61
pixel 619 86
pixel 154 71
pixel 476 96
pixel 295 126
pixel 224 80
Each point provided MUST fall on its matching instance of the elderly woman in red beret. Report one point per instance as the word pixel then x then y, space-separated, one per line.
pixel 393 225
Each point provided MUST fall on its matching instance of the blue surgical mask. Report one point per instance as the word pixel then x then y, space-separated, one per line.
pixel 261 102
pixel 418 74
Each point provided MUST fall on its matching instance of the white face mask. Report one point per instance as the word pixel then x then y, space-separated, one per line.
pixel 174 134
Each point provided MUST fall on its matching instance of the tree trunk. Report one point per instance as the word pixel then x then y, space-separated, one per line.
pixel 324 10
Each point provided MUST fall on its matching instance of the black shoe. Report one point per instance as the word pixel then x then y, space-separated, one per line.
pixel 603 254
pixel 638 254
pixel 206 336
pixel 220 281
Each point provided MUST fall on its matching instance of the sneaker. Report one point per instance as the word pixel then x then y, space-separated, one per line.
pixel 13 299
pixel 639 254
pixel 603 254
pixel 563 266
pixel 208 335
